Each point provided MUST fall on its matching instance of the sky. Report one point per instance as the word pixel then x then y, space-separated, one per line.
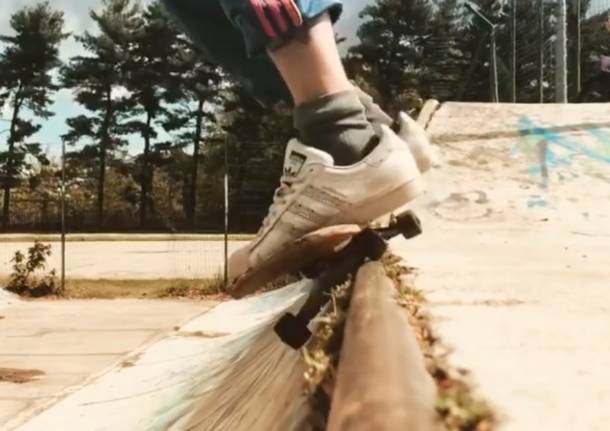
pixel 76 14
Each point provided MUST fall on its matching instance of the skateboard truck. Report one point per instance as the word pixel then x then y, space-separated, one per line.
pixel 370 244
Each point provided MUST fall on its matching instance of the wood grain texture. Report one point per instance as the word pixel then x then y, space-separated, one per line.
pixel 382 382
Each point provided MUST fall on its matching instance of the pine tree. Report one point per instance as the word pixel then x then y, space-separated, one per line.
pixel 153 84
pixel 193 118
pixel 391 48
pixel 96 79
pixel 476 42
pixel 445 59
pixel 29 57
pixel 595 42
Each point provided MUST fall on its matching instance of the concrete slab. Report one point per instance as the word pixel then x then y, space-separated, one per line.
pixel 72 342
pixel 514 259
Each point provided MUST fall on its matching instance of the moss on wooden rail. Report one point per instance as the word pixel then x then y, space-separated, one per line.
pixel 458 408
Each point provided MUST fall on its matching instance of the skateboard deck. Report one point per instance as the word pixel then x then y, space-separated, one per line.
pixel 309 254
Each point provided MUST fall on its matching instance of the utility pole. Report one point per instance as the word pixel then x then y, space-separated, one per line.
pixel 513 51
pixel 63 214
pixel 578 46
pixel 541 51
pixel 561 54
pixel 494 67
pixel 226 213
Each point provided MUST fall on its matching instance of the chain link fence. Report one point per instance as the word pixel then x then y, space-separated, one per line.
pixel 231 198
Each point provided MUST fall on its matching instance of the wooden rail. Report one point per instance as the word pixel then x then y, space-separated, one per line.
pixel 382 383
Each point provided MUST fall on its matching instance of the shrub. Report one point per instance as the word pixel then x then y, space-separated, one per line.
pixel 28 277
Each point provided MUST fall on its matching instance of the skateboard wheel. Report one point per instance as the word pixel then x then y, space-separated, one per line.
pixel 409 224
pixel 292 331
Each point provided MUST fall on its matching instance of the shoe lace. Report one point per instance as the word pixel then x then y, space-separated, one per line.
pixel 280 197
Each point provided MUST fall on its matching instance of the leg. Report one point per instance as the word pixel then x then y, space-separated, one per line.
pixel 328 112
pixel 310 62
pixel 205 22
pixel 235 33
pixel 341 170
pixel 207 25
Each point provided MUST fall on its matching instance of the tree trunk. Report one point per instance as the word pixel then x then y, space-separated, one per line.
pixel 146 175
pixel 7 188
pixel 10 168
pixel 101 185
pixel 195 165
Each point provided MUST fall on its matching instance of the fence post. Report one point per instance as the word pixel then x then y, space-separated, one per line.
pixel 541 51
pixel 578 46
pixel 561 73
pixel 494 67
pixel 63 214
pixel 226 214
pixel 513 52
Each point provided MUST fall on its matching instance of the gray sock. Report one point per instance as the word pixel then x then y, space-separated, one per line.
pixel 336 124
pixel 373 111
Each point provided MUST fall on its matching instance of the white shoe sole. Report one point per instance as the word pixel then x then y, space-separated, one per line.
pixel 367 211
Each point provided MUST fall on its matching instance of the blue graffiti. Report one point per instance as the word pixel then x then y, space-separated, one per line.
pixel 536 201
pixel 555 149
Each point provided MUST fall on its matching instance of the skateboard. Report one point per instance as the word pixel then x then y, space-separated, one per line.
pixel 328 256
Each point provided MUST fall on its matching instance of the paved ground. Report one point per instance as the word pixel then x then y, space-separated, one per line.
pixel 131 259
pixel 515 256
pixel 72 342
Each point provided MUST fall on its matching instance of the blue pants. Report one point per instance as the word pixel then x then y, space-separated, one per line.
pixel 236 33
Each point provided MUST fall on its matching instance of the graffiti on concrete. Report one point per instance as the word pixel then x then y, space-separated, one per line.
pixel 536 201
pixel 467 206
pixel 552 150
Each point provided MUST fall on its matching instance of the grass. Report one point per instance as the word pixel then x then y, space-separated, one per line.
pixel 321 354
pixel 150 289
pixel 143 289
pixel 111 237
pixel 458 407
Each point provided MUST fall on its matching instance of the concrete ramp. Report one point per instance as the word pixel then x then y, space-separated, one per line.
pixel 225 370
pixel 520 163
pixel 514 257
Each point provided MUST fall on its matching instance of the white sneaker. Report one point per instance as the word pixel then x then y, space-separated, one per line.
pixel 415 136
pixel 315 193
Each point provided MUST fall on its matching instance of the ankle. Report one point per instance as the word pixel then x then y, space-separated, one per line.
pixel 309 62
pixel 337 124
